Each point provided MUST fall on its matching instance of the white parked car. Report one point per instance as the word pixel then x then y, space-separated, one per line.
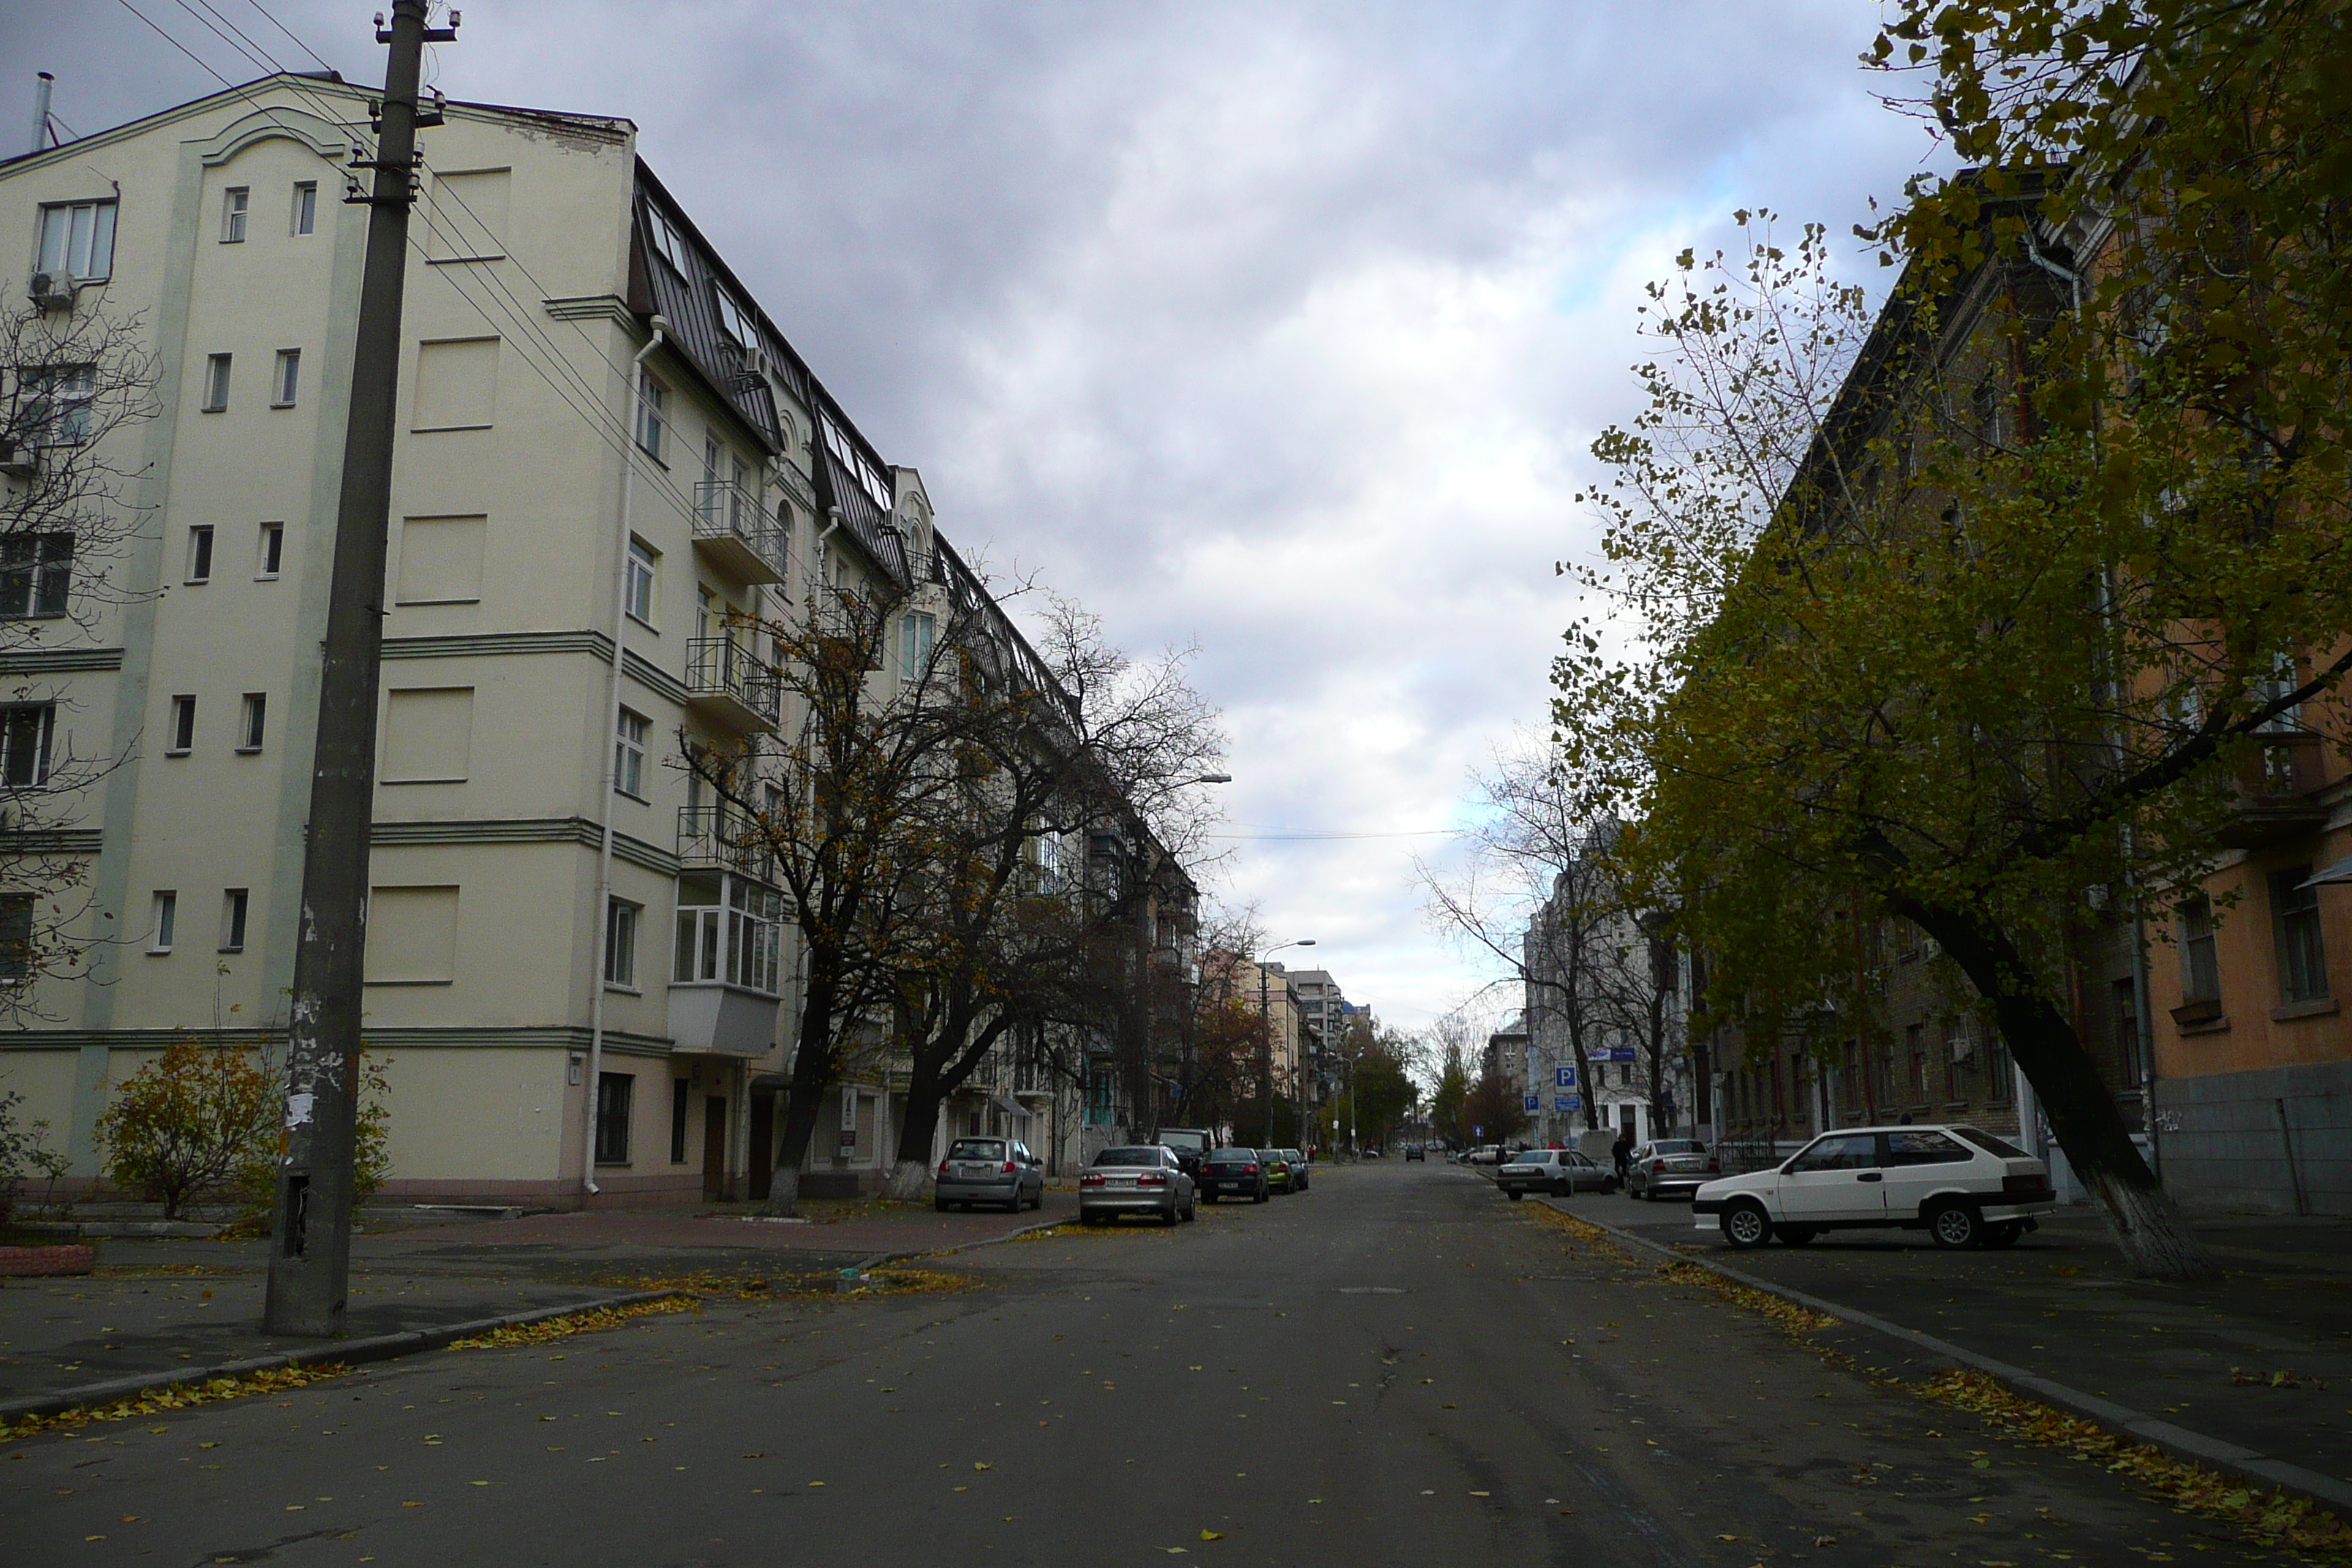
pixel 1964 1186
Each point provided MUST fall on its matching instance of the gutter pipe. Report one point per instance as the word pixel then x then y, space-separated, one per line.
pixel 612 762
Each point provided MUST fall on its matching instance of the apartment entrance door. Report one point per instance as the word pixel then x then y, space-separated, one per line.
pixel 763 1144
pixel 714 1147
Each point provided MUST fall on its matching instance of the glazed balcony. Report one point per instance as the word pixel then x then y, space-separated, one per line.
pixel 2278 790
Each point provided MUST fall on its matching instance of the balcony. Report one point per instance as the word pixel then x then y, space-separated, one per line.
pixel 726 685
pixel 714 838
pixel 735 535
pixel 2278 793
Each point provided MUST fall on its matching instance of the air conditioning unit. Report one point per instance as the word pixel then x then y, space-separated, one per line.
pixel 753 364
pixel 52 290
pixel 16 462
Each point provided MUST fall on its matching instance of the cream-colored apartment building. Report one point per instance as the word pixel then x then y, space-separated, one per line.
pixel 544 520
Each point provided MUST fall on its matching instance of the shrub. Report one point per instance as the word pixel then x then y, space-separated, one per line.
pixel 190 1123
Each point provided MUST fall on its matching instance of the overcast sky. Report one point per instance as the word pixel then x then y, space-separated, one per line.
pixel 1280 328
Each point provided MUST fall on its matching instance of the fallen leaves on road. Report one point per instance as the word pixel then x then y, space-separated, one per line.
pixel 547 1330
pixel 276 1380
pixel 1212 1535
pixel 2245 1379
pixel 2273 1520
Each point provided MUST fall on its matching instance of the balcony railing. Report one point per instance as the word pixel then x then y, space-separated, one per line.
pixel 735 533
pixel 715 837
pixel 726 684
pixel 2278 791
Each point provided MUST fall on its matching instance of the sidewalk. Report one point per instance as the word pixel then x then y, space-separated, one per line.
pixel 2260 1361
pixel 167 1308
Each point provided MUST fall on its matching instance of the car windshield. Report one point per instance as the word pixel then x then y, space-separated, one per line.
pixel 1533 1157
pixel 976 1149
pixel 1232 1157
pixel 1679 1146
pixel 1128 1156
pixel 1189 1142
pixel 1269 1154
pixel 1992 1145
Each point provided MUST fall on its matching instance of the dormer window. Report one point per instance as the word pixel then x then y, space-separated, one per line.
pixel 733 320
pixel 665 238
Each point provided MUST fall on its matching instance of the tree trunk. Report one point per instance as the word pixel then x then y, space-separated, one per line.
pixel 812 1074
pixel 919 1113
pixel 2147 1225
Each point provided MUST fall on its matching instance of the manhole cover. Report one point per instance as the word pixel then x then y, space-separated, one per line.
pixel 1371 1290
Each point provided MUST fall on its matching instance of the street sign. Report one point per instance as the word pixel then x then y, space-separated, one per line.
pixel 1535 1103
pixel 1477 1131
pixel 1563 1078
pixel 1618 1054
pixel 1568 1102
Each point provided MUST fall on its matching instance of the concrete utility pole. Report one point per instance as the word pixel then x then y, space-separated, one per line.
pixel 310 1235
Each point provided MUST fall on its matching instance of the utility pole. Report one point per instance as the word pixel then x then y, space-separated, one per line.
pixel 310 1235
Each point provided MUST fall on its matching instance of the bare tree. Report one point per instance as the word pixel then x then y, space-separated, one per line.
pixel 75 379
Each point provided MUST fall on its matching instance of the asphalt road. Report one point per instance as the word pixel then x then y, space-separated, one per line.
pixel 1396 1366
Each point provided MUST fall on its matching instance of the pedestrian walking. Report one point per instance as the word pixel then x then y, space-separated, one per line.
pixel 1621 1151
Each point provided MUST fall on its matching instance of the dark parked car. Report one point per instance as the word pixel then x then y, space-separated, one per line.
pixel 1299 1166
pixel 990 1171
pixel 1234 1173
pixel 1417 1152
pixel 1191 1145
pixel 1140 1179
pixel 1670 1167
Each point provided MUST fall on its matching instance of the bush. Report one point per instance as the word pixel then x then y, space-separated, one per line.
pixel 23 1149
pixel 189 1123
pixel 257 1182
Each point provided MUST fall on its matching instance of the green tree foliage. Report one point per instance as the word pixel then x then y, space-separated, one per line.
pixel 1447 1099
pixel 190 1123
pixel 1990 634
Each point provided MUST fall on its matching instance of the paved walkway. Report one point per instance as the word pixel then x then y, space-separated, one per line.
pixel 2261 1358
pixel 166 1308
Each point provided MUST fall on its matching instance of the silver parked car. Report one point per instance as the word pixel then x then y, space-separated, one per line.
pixel 1143 1179
pixel 990 1171
pixel 1670 1167
pixel 1554 1170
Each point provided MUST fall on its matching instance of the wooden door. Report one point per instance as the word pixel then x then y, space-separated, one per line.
pixel 763 1145
pixel 714 1147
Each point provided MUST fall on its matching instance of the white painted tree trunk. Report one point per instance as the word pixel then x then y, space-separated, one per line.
pixel 2150 1229
pixel 784 1192
pixel 910 1182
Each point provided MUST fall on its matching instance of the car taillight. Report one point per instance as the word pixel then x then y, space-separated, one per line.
pixel 1091 1179
pixel 944 1169
pixel 1008 1167
pixel 1711 1164
pixel 1152 1179
pixel 1249 1169
pixel 1657 1164
pixel 2024 1184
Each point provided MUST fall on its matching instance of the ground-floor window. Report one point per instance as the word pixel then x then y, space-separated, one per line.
pixel 614 1094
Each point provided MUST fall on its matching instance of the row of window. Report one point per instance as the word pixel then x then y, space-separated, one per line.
pixel 285 380
pixel 252 725
pixel 236 211
pixel 163 929
pixel 2294 931
pixel 617 1100
pixel 268 552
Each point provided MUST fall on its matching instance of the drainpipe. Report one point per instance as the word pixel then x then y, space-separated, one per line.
pixel 612 728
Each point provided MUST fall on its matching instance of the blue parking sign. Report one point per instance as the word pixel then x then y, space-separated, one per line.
pixel 1568 1102
pixel 1535 1103
pixel 1563 1078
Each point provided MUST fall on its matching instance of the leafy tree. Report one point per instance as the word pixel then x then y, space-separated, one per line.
pixel 1492 1111
pixel 1448 1099
pixel 23 1150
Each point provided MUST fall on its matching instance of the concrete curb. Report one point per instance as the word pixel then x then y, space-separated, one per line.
pixel 377 1347
pixel 879 1259
pixel 2256 1469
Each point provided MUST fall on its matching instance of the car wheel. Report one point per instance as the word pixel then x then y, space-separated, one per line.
pixel 1258 1196
pixel 1089 1219
pixel 1209 1197
pixel 1746 1226
pixel 940 1204
pixel 1795 1234
pixel 1956 1225
pixel 2005 1234
pixel 1192 1211
pixel 1513 1194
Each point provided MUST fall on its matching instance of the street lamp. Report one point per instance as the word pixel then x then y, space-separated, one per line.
pixel 1266 1031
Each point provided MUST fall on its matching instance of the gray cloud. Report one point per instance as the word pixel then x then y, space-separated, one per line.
pixel 1282 327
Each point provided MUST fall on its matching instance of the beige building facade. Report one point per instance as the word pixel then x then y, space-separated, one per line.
pixel 575 562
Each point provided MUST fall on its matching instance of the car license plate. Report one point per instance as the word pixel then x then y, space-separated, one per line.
pixel 972 1170
pixel 1120 1182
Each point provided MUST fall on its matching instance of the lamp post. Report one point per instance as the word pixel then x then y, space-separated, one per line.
pixel 1266 1031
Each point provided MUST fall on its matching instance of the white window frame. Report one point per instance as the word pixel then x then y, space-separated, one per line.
pixel 236 210
pixel 303 218
pixel 668 243
pixel 40 733
pixel 183 735
pixel 43 564
pixel 624 923
pixel 164 921
pixel 235 904
pixel 58 400
pixel 269 552
pixel 216 381
pixel 286 378
pixel 733 319
pixel 630 732
pixel 64 234
pixel 641 588
pixel 199 554
pixel 253 721
pixel 919 633
pixel 653 418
